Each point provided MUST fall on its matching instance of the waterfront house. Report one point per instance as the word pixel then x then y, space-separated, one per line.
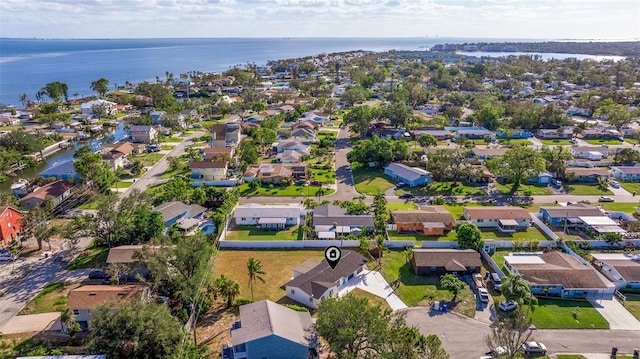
pixel 64 171
pixel 503 218
pixel 59 191
pixel 270 330
pixel 441 261
pixel 99 107
pixel 267 216
pixel 144 134
pixel 412 176
pixel 208 171
pixel 313 282
pixel 428 220
pixel 10 225
pixel 83 300
pixel 114 159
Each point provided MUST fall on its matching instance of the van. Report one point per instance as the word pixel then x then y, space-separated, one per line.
pixel 495 279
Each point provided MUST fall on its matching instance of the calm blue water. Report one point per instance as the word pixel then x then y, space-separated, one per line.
pixel 28 64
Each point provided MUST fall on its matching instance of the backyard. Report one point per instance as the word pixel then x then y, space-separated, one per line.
pixel 371 181
pixel 422 291
pixel 251 233
pixel 395 236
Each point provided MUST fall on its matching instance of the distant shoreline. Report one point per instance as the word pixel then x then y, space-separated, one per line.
pixel 613 48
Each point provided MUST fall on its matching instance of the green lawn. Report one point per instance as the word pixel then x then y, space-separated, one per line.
pixel 531 234
pixel 557 142
pixel 631 186
pixel 167 147
pixel 498 256
pixel 89 205
pixel 278 191
pixel 372 298
pixel 251 233
pixel 53 298
pixel 560 313
pixel 395 236
pixel 422 291
pixel 170 174
pixel 627 207
pixel 449 189
pixel 92 257
pixel 525 189
pixel 521 141
pixel 170 139
pixel 401 206
pixel 150 159
pixel 584 189
pixel 633 304
pixel 603 142
pixel 122 184
pixel 324 176
pixel 371 181
pixel 570 356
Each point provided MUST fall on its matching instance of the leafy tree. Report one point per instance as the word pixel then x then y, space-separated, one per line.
pixel 626 155
pixel 518 164
pixel 358 119
pixel 249 154
pixel 447 164
pixel 510 333
pixel 489 115
pixel 22 142
pixel 398 114
pixel 452 284
pixel 93 170
pixel 36 224
pixel 427 140
pixel 56 91
pixel 602 183
pixel 617 114
pixel 254 266
pixel 354 95
pixel 468 235
pixel 555 158
pixel 254 185
pixel 514 287
pixel 138 330
pixel 101 86
pixel 227 288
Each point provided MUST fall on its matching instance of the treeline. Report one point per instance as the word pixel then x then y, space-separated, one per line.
pixel 622 48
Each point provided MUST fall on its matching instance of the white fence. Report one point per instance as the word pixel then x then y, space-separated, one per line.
pixel 400 244
pixel 287 244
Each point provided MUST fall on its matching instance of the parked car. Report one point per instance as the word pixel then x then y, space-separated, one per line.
pixel 98 274
pixel 401 184
pixel 508 305
pixel 483 294
pixel 556 183
pixel 153 148
pixel 534 348
pixel 406 196
pixel 496 352
pixel 605 199
pixel 4 258
pixel 614 184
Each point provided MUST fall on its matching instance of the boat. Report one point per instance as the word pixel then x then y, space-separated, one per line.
pixel 96 128
pixel 81 135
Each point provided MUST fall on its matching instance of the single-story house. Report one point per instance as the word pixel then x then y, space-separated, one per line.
pixel 275 173
pixel 83 300
pixel 331 221
pixel 302 132
pixel 208 171
pixel 157 117
pixel 480 174
pixel 514 134
pixel 623 269
pixel 298 144
pixel 290 156
pixel 601 134
pixel 579 174
pixel 626 173
pixel 504 218
pixel 556 216
pixel 564 133
pixel 441 261
pixel 601 225
pixel 107 107
pixel 143 133
pixel 65 171
pixel 542 178
pixel 179 213
pixel 475 134
pixel 270 330
pixel 558 274
pixel 312 285
pixel 412 176
pixel 486 153
pixel 593 153
pixel 10 225
pixel 429 220
pixel 440 135
pixel 267 216
pixel 58 190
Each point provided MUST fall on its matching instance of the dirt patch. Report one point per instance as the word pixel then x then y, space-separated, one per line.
pixel 214 328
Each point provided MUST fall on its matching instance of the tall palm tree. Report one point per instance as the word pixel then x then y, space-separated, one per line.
pixel 514 287
pixel 255 272
pixel 602 184
pixel 227 288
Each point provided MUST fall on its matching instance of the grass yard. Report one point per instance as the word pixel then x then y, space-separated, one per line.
pixel 631 186
pixel 122 184
pixel 167 147
pixel 531 234
pixel 562 314
pixel 371 181
pixel 627 207
pixel 89 205
pixel 633 304
pixel 277 265
pixel 278 191
pixel 149 159
pixel 251 233
pixel 422 291
pixel 570 356
pixel 525 189
pixel 170 139
pixel 557 142
pixel 521 141
pixel 498 256
pixel 170 174
pixel 53 298
pixel 92 257
pixel 603 142
pixel 372 298
pixel 324 176
pixel 395 236
pixel 449 189
pixel 401 206
pixel 583 189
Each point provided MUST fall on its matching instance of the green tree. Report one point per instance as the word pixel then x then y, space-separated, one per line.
pixel 358 119
pixel 398 114
pixel 101 86
pixel 626 155
pixel 452 284
pixel 138 330
pixel 468 235
pixel 447 164
pixel 555 159
pixel 602 183
pixel 518 164
pixel 514 287
pixel 56 91
pixel 227 288
pixel 93 170
pixel 254 266
pixel 36 224
pixel 354 94
pixel 427 140
pixel 510 333
pixel 254 185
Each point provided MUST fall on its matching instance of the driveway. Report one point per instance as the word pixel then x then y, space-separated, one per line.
pixel 618 316
pixel 374 283
pixel 32 323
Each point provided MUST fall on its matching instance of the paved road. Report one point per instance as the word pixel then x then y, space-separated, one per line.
pixel 344 177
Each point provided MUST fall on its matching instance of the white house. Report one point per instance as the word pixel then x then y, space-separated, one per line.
pixel 623 269
pixel 313 281
pixel 593 153
pixel 504 218
pixel 630 173
pixel 109 108
pixel 267 216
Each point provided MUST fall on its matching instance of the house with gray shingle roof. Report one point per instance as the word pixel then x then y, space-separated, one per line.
pixel 412 176
pixel 186 216
pixel 270 330
pixel 331 221
pixel 441 261
pixel 321 281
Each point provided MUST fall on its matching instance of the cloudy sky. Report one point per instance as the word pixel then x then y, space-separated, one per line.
pixel 518 19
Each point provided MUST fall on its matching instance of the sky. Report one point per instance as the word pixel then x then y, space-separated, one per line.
pixel 501 19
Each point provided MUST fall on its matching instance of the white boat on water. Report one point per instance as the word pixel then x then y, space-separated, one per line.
pixel 96 128
pixel 81 135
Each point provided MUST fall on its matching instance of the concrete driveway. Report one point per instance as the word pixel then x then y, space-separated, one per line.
pixel 32 323
pixel 374 283
pixel 618 316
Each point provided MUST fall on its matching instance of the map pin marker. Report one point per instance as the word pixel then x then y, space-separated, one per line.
pixel 332 255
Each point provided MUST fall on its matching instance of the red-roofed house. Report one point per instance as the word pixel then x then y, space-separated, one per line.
pixel 59 190
pixel 10 224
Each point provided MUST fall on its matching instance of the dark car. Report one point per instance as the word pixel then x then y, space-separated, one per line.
pixel 406 196
pixel 153 148
pixel 98 274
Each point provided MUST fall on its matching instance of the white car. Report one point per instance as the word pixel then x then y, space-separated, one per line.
pixel 614 184
pixel 534 348
pixel 508 305
pixel 605 199
pixel 483 294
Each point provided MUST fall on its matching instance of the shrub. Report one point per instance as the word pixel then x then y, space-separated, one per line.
pixel 243 301
pixel 297 308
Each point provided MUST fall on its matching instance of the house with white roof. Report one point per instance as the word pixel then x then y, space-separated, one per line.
pixel 502 218
pixel 623 269
pixel 107 107
pixel 268 216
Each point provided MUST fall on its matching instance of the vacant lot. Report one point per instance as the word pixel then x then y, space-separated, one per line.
pixel 277 265
pixel 525 189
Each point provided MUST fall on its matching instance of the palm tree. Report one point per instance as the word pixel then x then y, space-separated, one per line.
pixel 227 288
pixel 67 318
pixel 25 100
pixel 602 184
pixel 514 287
pixel 255 271
pixel 321 192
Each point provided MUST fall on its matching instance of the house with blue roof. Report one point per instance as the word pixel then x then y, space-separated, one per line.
pixel 412 176
pixel 64 171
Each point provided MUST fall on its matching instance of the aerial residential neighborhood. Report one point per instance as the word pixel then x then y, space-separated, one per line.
pixel 469 198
